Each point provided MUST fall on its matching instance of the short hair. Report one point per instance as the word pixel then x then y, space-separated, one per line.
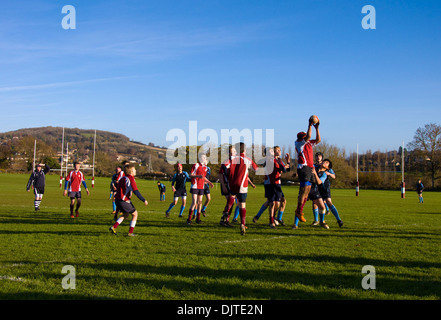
pixel 330 163
pixel 267 150
pixel 241 146
pixel 75 163
pixel 128 169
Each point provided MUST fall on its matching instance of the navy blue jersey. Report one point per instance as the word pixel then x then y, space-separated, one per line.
pixel 180 179
pixel 207 176
pixel 161 187
pixel 38 178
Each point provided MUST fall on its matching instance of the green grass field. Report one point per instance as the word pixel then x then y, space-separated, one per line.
pixel 170 260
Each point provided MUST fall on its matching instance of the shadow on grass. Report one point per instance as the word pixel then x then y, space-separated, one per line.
pixel 254 283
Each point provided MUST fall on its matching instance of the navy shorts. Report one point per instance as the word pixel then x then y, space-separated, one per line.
pixel 316 192
pixel 207 189
pixel 228 191
pixel 241 197
pixel 75 194
pixel 199 192
pixel 180 193
pixel 273 192
pixel 125 207
pixel 326 193
pixel 306 176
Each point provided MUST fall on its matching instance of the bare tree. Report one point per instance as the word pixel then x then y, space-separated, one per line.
pixel 427 144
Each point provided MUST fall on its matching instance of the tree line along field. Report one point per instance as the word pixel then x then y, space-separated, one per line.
pixel 170 260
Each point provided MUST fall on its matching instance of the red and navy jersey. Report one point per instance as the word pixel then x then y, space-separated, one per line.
pixel 75 179
pixel 198 169
pixel 237 173
pixel 274 172
pixel 304 151
pixel 126 186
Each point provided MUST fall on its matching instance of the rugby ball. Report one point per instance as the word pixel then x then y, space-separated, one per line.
pixel 314 119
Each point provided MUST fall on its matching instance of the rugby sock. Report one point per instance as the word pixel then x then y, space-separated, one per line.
pixel 182 210
pixel 296 221
pixel 78 206
pixel 118 222
pixel 315 212
pixel 322 217
pixel 280 215
pixel 326 206
pixel 229 206
pixel 170 207
pixel 71 209
pixel 114 206
pixel 204 208
pixel 335 212
pixel 236 213
pixel 303 205
pixel 243 213
pixel 195 212
pixel 262 210
pixel 132 226
pixel 271 218
pixel 37 203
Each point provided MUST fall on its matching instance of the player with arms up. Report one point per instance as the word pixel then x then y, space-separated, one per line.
pixel 305 164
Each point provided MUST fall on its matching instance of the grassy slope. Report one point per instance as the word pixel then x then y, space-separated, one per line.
pixel 170 260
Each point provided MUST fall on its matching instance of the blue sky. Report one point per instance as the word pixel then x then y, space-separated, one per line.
pixel 141 68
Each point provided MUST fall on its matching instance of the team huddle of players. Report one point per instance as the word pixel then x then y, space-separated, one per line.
pixel 234 180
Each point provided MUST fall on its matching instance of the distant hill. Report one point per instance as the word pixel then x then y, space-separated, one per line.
pixel 111 148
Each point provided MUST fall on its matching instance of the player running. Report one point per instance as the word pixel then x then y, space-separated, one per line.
pixel 37 181
pixel 125 189
pixel 119 173
pixel 74 180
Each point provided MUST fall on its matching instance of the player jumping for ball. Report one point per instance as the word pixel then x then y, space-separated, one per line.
pixel 305 159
